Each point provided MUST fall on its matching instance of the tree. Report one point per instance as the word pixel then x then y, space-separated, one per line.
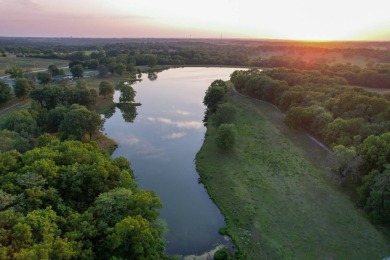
pixel 54 71
pixel 44 77
pixel 219 83
pixel 15 72
pixel 213 98
pixel 226 136
pixel 102 71
pixel 106 89
pixel 347 165
pixel 119 69
pixel 77 71
pixel 127 93
pixel 5 92
pixel 54 118
pixel 78 122
pixel 374 195
pixel 23 123
pixel 23 87
pixel 12 140
pixel 151 60
pixel 133 238
pixel 226 114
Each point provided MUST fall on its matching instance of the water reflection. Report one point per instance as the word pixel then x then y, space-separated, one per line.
pixel 152 76
pixel 129 111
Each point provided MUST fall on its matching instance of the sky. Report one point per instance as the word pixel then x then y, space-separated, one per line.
pixel 272 19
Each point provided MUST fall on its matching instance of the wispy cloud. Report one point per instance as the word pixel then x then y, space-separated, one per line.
pixel 182 112
pixel 180 124
pixel 175 136
pixel 126 139
pixel 190 124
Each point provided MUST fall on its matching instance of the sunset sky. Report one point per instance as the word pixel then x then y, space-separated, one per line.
pixel 272 19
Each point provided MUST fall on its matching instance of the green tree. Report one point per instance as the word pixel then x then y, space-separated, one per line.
pixel 347 163
pixel 23 87
pixel 77 71
pixel 151 60
pixel 54 118
pixel 15 72
pixel 106 89
pixel 102 71
pixel 133 238
pixel 374 195
pixel 226 114
pixel 54 71
pixel 12 140
pixel 226 136
pixel 5 92
pixel 219 83
pixel 213 98
pixel 375 152
pixel 127 93
pixel 78 122
pixel 119 69
pixel 44 77
pixel 23 123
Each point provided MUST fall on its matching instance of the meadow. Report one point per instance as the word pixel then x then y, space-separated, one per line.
pixel 275 191
pixel 29 64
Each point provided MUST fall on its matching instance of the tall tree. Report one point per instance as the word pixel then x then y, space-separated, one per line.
pixel 44 77
pixel 23 87
pixel 106 89
pixel 127 93
pixel 5 92
pixel 77 71
pixel 80 121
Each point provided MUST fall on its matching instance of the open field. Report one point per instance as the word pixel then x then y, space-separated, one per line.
pixel 274 194
pixel 29 64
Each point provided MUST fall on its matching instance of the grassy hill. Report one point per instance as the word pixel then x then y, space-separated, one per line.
pixel 273 191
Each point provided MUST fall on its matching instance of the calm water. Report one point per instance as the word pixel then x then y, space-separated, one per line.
pixel 162 143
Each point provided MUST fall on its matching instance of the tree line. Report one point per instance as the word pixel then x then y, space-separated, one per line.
pixel 354 122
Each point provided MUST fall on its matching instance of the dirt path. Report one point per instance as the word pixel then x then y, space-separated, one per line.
pixel 14 105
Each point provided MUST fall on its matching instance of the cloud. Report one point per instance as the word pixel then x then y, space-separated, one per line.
pixel 190 124
pixel 180 124
pixel 182 112
pixel 166 121
pixel 126 139
pixel 175 136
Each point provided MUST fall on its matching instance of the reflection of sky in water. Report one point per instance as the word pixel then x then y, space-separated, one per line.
pixel 161 145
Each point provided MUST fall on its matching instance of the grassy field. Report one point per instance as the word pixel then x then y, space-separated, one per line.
pixel 30 64
pixel 273 191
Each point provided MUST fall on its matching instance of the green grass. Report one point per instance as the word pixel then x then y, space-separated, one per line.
pixel 275 197
pixel 29 64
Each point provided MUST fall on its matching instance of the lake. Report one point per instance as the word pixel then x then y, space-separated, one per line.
pixel 161 145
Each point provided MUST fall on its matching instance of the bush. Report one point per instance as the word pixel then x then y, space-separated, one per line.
pixel 223 254
pixel 226 136
pixel 226 114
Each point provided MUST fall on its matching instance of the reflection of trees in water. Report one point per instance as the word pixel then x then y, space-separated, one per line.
pixel 109 113
pixel 129 111
pixel 152 76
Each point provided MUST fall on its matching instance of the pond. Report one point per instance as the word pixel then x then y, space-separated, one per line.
pixel 161 143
